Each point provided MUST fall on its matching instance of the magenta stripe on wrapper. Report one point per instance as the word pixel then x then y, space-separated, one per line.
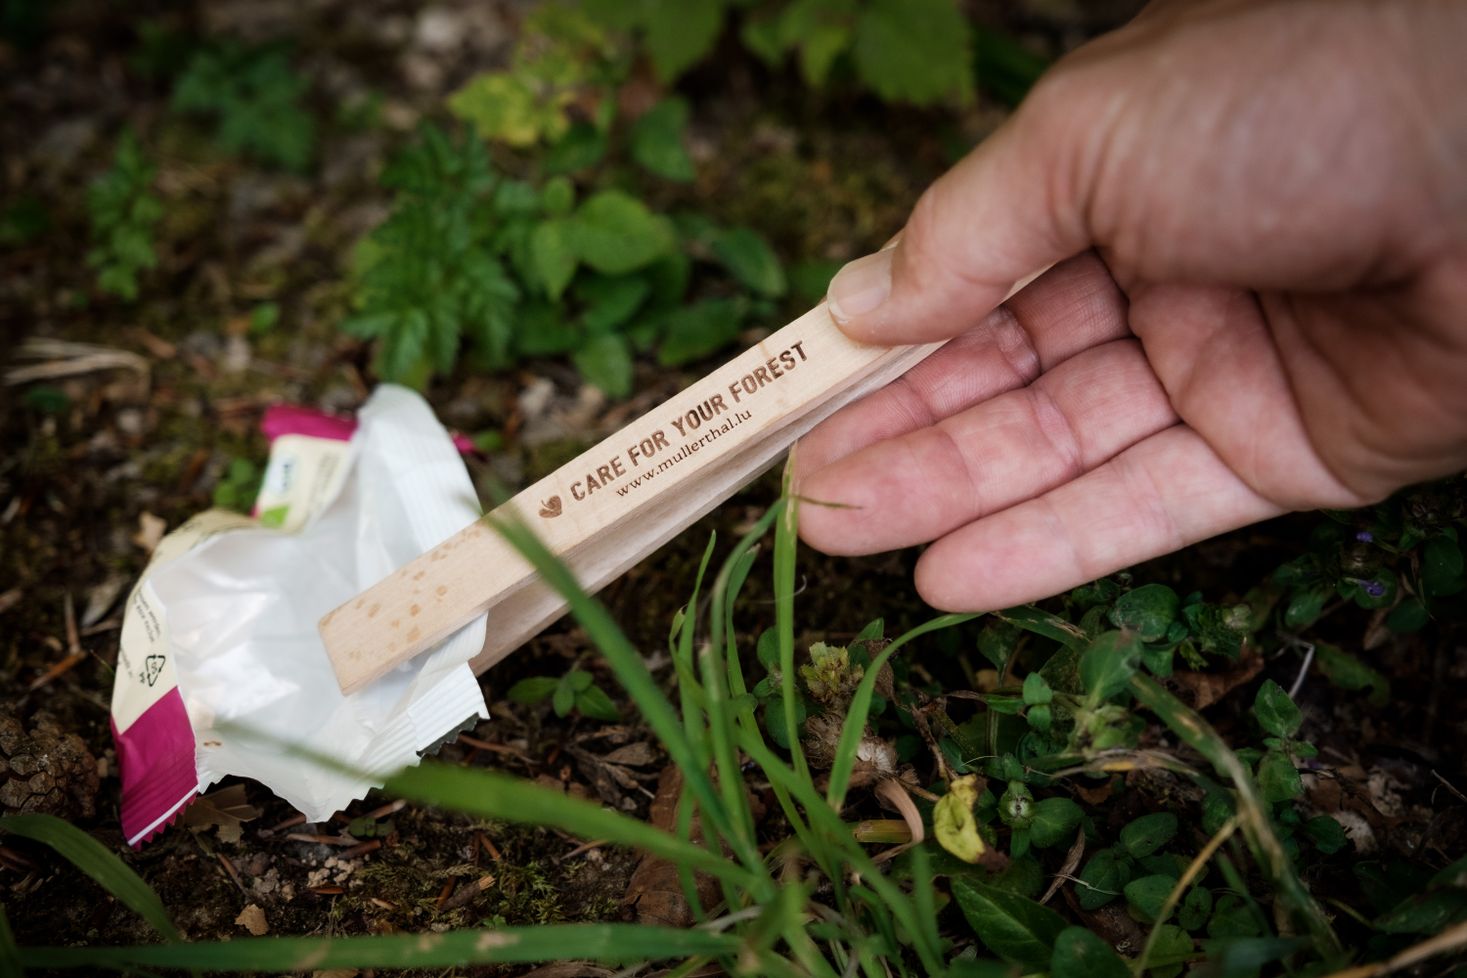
pixel 155 758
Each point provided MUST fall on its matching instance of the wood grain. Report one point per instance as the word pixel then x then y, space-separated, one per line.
pixel 617 502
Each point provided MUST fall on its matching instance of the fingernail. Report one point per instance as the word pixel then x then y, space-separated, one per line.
pixel 860 287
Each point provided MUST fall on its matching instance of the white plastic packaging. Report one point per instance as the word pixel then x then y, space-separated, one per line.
pixel 221 629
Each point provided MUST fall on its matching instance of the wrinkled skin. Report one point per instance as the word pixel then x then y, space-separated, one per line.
pixel 1257 215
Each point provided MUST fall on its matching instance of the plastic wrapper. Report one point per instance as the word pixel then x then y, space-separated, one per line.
pixel 219 634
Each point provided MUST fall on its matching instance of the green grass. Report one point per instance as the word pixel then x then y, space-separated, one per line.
pixel 812 900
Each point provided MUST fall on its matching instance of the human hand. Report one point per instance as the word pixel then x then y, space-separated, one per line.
pixel 1259 212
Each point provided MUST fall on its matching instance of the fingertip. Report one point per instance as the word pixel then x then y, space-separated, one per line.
pixel 857 292
pixel 940 587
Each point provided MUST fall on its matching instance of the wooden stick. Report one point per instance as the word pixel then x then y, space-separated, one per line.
pixel 618 502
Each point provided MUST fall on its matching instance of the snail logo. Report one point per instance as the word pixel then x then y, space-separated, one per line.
pixel 551 508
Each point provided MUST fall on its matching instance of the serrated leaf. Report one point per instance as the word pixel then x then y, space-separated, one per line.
pixel 750 260
pixel 1275 711
pixel 606 361
pixel 1148 611
pixel 1079 953
pixel 1147 834
pixel 681 33
pixel 553 255
pixel 1016 929
pixel 1277 778
pixel 1055 821
pixel 914 50
pixel 699 330
pixel 657 140
pixel 615 233
pixel 611 301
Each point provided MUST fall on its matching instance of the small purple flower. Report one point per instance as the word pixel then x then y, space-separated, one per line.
pixel 1365 536
pixel 1373 588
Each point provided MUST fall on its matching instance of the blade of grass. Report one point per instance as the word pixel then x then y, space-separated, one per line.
pixel 612 943
pixel 490 794
pixel 745 716
pixel 1253 816
pixel 9 953
pixel 785 537
pixel 98 862
pixel 690 692
pixel 634 676
pixel 855 725
pixel 825 819
pixel 715 668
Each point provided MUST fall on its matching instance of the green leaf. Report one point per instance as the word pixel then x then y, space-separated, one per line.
pixel 680 33
pixel 1411 615
pixel 553 255
pixel 1014 928
pixel 657 140
pixel 594 703
pixel 1055 821
pixel 914 50
pixel 750 260
pixel 1107 665
pixel 1147 834
pixel 1173 947
pixel 606 361
pixel 98 862
pixel 1327 835
pixel 1145 896
pixel 699 330
pixel 564 698
pixel 615 233
pixel 1275 711
pixel 582 147
pixel 1305 607
pixel 1348 672
pixel 1036 690
pixel 1196 908
pixel 1102 880
pixel 1425 913
pixel 611 300
pixel 535 689
pixel 1441 567
pixel 505 107
pixel 953 822
pixel 1277 778
pixel 1079 953
pixel 810 280
pixel 1148 611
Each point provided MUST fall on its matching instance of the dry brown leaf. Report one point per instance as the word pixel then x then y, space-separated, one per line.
pixel 252 919
pixel 225 809
pixel 654 888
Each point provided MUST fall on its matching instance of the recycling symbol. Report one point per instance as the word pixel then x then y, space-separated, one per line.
pixel 152 666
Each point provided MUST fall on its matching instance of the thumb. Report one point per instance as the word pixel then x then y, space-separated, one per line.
pixel 1010 209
